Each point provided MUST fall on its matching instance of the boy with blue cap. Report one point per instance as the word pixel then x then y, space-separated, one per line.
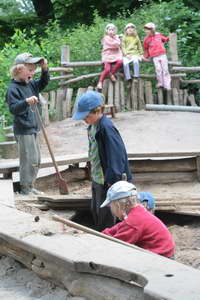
pixel 138 226
pixel 107 154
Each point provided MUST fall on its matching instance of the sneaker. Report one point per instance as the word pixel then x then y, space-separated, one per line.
pixel 112 77
pixel 36 192
pixel 100 86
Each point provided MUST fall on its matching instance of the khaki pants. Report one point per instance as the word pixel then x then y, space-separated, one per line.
pixel 29 158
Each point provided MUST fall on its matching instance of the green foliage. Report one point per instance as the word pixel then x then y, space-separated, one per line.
pixel 84 40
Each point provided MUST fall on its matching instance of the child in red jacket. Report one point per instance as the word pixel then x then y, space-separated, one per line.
pixel 154 48
pixel 138 225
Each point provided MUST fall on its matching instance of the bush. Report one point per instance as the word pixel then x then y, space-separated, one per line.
pixel 84 41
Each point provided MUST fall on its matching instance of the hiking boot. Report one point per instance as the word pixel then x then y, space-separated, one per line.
pixel 25 190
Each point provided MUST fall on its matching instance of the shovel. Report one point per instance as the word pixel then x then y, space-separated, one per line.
pixel 62 184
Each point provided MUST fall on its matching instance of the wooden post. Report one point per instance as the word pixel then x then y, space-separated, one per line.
pixel 67 103
pixel 141 102
pixel 110 93
pixel 117 96
pixel 79 93
pixel 45 113
pixel 191 100
pixel 160 96
pixel 59 104
pixel 181 97
pixel 173 49
pixel 148 92
pixel 105 90
pixel 175 96
pixel 185 97
pixel 134 95
pixel 169 98
pixel 122 96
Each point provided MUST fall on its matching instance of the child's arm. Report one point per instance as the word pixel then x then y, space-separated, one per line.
pixel 139 44
pixel 112 43
pixel 165 39
pixel 42 82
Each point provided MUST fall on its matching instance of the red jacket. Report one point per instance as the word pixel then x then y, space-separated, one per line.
pixel 144 230
pixel 154 45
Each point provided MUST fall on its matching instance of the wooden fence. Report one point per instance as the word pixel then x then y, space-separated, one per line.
pixel 60 104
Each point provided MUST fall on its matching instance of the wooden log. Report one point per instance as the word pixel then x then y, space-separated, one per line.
pixel 175 96
pixel 105 89
pixel 171 165
pixel 65 53
pixel 68 102
pixel 156 107
pixel 167 177
pixel 173 47
pixel 141 102
pixel 148 92
pixel 116 99
pixel 44 99
pixel 181 96
pixel 122 95
pixel 186 69
pixel 152 76
pixel 110 93
pixel 56 69
pixel 160 96
pixel 169 98
pixel 97 63
pixel 59 104
pixel 191 81
pixel 191 100
pixel 79 78
pixel 79 93
pixel 52 101
pixel 61 77
pixel 134 95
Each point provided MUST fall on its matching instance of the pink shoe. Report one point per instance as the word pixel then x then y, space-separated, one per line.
pixel 100 85
pixel 112 77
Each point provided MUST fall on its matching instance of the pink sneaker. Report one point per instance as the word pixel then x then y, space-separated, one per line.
pixel 100 85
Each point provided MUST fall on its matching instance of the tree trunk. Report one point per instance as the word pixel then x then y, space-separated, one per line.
pixel 44 9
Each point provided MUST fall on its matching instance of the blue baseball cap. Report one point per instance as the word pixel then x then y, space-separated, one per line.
pixel 87 102
pixel 146 196
pixel 119 190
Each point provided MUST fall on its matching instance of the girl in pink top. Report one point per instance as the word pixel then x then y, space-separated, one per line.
pixel 111 54
pixel 154 48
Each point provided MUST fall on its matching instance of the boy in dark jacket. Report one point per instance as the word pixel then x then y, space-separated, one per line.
pixel 22 95
pixel 107 154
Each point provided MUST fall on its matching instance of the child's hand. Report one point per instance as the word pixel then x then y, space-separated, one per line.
pixel 32 100
pixel 44 64
pixel 145 59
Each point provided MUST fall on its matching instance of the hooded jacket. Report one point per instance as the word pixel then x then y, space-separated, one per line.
pixel 24 117
pixel 112 152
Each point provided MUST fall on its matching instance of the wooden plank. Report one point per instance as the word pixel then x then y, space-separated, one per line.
pixel 169 97
pixel 167 177
pixel 185 97
pixel 181 96
pixel 169 165
pixel 64 198
pixel 52 104
pixel 7 193
pixel 67 103
pixel 44 99
pixel 148 92
pixel 198 167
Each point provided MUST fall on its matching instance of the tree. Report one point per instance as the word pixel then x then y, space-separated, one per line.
pixel 44 9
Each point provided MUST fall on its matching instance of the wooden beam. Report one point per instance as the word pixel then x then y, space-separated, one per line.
pixel 186 69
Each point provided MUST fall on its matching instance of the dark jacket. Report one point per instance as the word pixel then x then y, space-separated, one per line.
pixel 24 118
pixel 112 152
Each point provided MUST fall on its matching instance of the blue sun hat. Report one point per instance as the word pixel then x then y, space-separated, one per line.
pixel 119 190
pixel 146 196
pixel 87 102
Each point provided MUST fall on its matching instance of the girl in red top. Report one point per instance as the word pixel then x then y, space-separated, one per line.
pixel 138 226
pixel 111 54
pixel 154 48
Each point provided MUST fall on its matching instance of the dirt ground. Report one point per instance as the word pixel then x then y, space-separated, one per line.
pixel 146 132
